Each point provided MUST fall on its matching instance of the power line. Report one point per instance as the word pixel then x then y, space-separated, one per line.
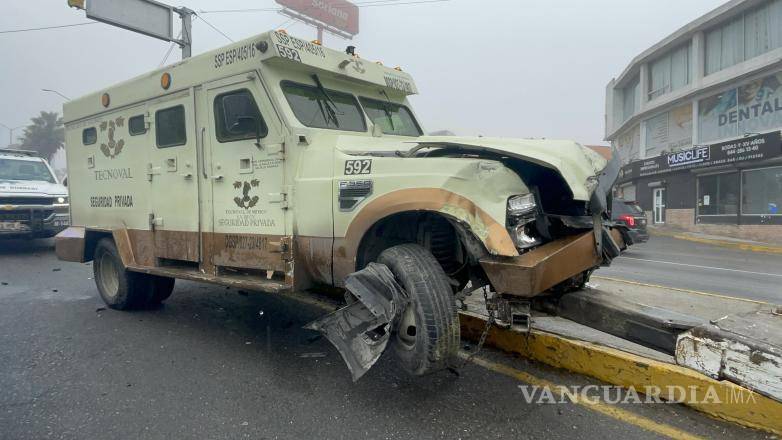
pixel 366 4
pixel 170 49
pixel 213 27
pixel 13 31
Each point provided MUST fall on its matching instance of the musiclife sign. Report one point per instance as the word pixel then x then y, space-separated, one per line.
pixel 338 16
pixel 760 147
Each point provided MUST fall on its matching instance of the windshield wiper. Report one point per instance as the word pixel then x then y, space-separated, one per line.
pixel 387 110
pixel 331 107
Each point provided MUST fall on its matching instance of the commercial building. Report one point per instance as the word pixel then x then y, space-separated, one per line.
pixel 696 121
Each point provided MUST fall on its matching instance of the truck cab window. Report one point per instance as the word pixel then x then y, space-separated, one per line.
pixel 322 108
pixel 392 118
pixel 170 127
pixel 237 117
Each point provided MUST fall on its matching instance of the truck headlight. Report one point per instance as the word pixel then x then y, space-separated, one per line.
pixel 521 205
pixel 523 237
pixel 62 200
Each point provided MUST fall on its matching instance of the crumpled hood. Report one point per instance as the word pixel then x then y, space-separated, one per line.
pixel 31 188
pixel 578 165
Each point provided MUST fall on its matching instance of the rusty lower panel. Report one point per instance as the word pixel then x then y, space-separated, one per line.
pixel 69 244
pixel 490 232
pixel 312 256
pixel 248 251
pixel 536 271
pixel 142 245
pixel 124 245
pixel 177 245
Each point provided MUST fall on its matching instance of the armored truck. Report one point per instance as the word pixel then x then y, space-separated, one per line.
pixel 276 164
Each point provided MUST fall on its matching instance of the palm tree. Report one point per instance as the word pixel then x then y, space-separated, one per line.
pixel 45 135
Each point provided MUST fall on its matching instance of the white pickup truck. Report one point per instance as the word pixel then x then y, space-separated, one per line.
pixel 33 204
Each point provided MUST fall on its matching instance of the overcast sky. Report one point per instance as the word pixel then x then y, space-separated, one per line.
pixel 518 68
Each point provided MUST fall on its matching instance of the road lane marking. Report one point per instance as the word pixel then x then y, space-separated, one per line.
pixel 603 408
pixel 679 289
pixel 703 267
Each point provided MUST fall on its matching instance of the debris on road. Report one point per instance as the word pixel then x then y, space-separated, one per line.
pixel 360 331
pixel 312 355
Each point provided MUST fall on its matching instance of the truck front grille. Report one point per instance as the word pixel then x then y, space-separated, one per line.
pixel 27 201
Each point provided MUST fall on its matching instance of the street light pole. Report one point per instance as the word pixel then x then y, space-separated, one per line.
pixel 55 91
pixel 11 132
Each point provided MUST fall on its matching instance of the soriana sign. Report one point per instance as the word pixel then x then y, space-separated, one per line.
pixel 339 14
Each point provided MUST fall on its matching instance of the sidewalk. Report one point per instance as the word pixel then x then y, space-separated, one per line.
pixel 716 240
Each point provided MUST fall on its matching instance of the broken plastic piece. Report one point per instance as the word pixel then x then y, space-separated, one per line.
pixel 360 331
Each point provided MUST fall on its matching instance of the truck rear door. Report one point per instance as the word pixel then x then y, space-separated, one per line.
pixel 172 173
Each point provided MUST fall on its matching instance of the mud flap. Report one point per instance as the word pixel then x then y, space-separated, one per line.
pixel 360 331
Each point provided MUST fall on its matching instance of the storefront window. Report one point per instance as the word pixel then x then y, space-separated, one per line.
pixel 718 194
pixel 762 191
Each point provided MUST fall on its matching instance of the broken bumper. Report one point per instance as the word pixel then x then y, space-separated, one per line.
pixel 534 272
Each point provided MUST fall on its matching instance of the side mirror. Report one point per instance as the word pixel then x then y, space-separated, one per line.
pixel 65 181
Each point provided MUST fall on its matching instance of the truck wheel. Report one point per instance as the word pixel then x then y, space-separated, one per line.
pixel 426 337
pixel 119 288
pixel 162 287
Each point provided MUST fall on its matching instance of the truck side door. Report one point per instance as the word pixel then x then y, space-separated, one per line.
pixel 243 146
pixel 171 171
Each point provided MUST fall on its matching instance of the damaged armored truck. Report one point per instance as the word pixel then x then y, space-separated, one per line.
pixel 276 164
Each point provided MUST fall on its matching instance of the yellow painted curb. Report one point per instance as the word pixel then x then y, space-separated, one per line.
pixel 769 249
pixel 732 403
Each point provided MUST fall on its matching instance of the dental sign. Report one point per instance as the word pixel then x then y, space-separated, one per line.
pixel 760 147
pixel 338 14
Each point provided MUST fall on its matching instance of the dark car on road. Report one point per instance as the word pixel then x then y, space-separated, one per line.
pixel 630 214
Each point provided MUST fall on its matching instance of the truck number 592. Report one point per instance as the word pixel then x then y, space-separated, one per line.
pixel 358 167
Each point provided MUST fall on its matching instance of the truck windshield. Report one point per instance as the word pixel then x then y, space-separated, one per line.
pixel 11 169
pixel 391 117
pixel 334 110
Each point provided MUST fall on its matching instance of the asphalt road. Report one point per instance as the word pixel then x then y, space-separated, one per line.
pixel 672 262
pixel 209 364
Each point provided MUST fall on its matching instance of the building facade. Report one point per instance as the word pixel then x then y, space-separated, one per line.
pixel 696 121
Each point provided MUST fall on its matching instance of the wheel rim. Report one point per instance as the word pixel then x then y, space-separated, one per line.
pixel 407 327
pixel 109 275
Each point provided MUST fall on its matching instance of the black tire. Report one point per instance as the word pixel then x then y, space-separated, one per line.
pixel 119 288
pixel 433 342
pixel 162 287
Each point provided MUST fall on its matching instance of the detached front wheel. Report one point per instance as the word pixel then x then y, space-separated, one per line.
pixel 426 337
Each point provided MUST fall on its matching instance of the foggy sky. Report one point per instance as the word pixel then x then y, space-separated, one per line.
pixel 523 68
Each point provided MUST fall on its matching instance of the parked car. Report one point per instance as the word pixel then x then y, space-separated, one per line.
pixel 630 214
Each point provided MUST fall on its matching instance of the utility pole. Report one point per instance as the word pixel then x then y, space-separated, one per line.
pixel 186 43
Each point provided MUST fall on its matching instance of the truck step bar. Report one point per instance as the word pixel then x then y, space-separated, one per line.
pixel 241 281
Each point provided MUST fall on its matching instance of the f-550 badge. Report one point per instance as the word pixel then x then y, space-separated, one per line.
pixel 246 201
pixel 353 167
pixel 113 148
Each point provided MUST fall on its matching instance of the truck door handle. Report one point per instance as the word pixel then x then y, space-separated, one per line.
pixel 217 178
pixel 187 175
